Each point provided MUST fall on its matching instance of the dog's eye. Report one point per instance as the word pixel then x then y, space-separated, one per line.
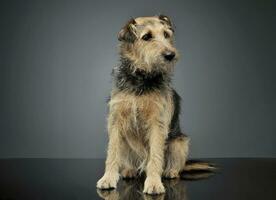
pixel 147 36
pixel 166 34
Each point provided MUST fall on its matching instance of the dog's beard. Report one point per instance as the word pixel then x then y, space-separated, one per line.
pixel 156 64
pixel 163 66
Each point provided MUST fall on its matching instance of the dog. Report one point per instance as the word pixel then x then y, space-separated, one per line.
pixel 143 120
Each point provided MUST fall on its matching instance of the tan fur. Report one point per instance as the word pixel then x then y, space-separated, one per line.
pixel 138 125
pixel 200 166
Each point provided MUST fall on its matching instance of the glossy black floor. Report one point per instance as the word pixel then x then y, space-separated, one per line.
pixel 76 179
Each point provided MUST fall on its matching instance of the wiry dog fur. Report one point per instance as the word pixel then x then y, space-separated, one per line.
pixel 143 121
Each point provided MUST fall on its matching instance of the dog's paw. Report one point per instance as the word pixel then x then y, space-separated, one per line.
pixel 129 173
pixel 171 174
pixel 153 186
pixel 108 182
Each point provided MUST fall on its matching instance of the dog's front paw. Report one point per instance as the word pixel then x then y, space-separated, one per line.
pixel 108 182
pixel 153 186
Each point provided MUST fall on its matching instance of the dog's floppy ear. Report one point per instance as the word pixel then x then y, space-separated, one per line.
pixel 128 32
pixel 165 19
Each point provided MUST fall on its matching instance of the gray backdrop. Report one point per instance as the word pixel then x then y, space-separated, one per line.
pixel 56 59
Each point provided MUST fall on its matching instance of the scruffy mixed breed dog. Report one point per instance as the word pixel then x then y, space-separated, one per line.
pixel 143 122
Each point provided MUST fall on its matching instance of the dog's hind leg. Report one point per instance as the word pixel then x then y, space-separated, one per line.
pixel 176 156
pixel 128 173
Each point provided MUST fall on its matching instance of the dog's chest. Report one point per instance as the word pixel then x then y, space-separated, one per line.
pixel 136 114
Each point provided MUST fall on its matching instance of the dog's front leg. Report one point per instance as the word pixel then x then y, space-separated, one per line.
pixel 112 164
pixel 154 168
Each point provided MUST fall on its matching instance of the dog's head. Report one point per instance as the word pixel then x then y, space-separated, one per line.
pixel 148 43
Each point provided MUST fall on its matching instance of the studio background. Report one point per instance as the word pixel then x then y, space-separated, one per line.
pixel 56 58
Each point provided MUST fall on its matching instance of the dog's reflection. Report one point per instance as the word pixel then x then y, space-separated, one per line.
pixel 133 189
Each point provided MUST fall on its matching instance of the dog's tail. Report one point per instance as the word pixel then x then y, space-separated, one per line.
pixel 196 169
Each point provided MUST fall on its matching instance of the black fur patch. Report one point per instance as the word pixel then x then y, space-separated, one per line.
pixel 139 82
pixel 175 130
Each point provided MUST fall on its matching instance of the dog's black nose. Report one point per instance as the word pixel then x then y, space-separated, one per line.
pixel 169 55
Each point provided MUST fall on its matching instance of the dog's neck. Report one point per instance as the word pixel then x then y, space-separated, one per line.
pixel 139 81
